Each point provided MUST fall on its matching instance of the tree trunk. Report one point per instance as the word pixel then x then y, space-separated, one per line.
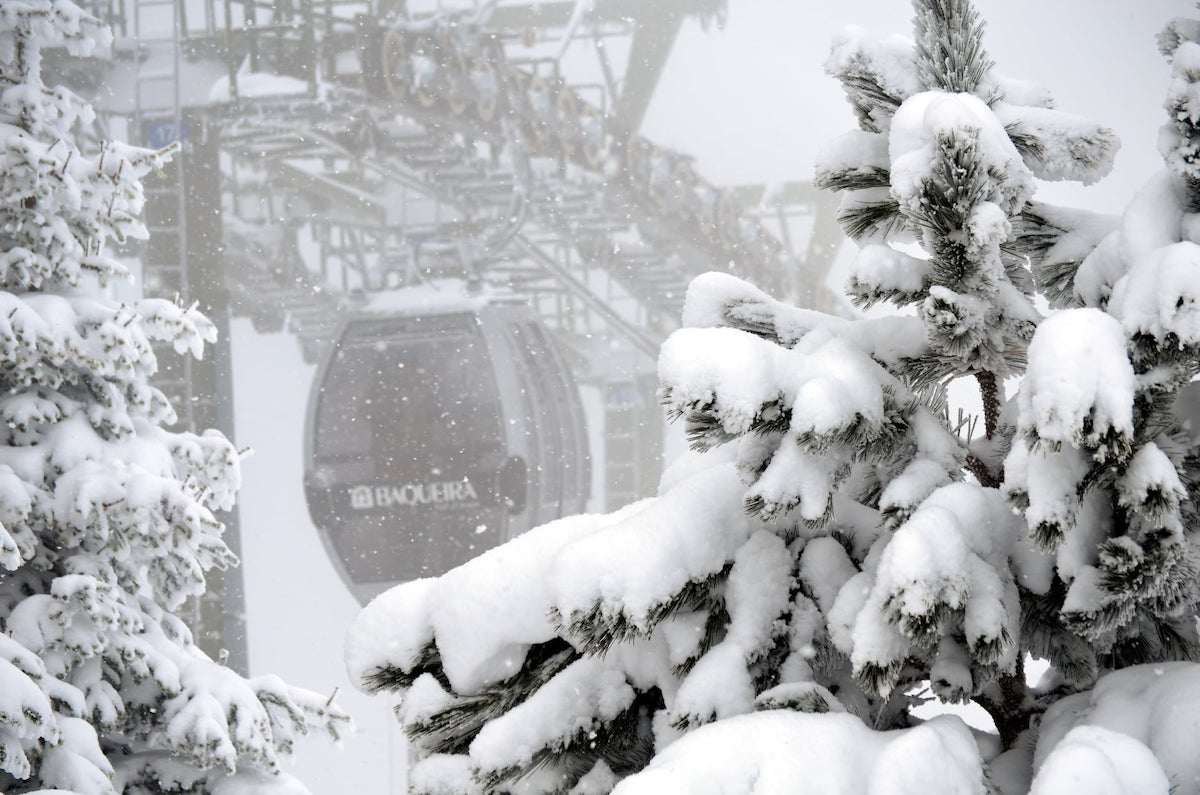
pixel 1009 707
pixel 990 392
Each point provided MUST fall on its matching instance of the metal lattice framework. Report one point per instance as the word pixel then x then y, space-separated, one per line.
pixel 331 148
pixel 369 146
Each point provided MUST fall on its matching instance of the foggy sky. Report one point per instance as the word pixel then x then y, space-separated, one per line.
pixel 753 103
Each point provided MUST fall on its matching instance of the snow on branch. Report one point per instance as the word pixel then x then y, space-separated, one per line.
pixel 757 595
pixel 1058 145
pixel 1135 725
pixel 944 573
pixel 575 703
pixel 1179 141
pixel 1160 297
pixel 877 75
pixel 185 328
pixel 1078 389
pixel 771 751
pixel 933 130
pixel 718 299
pixel 882 273
pixel 624 581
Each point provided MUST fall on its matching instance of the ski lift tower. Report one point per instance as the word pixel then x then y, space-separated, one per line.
pixel 148 92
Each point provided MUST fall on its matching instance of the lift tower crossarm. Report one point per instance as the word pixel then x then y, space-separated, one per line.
pixel 656 25
pixel 653 37
pixel 640 339
pixel 557 14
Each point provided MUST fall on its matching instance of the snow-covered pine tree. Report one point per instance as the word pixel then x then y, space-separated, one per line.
pixel 106 517
pixel 838 541
pixel 938 187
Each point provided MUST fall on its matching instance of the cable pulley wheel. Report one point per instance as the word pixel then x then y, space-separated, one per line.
pixel 568 116
pixel 593 144
pixel 459 89
pixel 425 85
pixel 541 103
pixel 394 59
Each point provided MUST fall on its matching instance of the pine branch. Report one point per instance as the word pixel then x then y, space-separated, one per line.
pixel 867 95
pixel 959 183
pixel 1175 33
pixel 704 430
pixel 927 372
pixel 1034 235
pixel 392 678
pixel 773 419
pixel 715 627
pixel 451 730
pixel 982 473
pixel 949 45
pixel 1047 536
pixel 857 178
pixel 626 744
pixel 1028 145
pixel 813 699
pixel 1100 626
pixel 751 317
pixel 1155 640
pixel 769 512
pixel 871 219
pixel 988 652
pixel 924 629
pixel 594 631
pixel 879 679
pixel 766 666
pixel 867 294
pixel 1044 635
pixel 1129 570
pixel 1057 282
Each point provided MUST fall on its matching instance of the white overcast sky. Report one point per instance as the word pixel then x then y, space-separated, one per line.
pixel 753 103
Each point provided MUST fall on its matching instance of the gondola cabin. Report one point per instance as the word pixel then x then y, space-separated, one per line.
pixel 439 426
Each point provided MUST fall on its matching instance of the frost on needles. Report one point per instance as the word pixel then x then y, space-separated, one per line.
pixel 838 544
pixel 106 517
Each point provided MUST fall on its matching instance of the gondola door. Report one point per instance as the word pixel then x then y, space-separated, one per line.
pixel 411 461
pixel 560 475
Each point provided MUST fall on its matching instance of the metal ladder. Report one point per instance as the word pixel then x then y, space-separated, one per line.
pixel 157 124
pixel 159 30
pixel 632 427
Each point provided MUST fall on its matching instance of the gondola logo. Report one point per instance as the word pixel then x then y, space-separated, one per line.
pixel 365 498
pixel 361 498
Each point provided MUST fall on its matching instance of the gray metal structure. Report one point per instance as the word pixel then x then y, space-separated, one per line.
pixel 332 148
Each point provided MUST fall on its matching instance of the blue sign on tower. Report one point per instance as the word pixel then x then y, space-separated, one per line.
pixel 160 134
